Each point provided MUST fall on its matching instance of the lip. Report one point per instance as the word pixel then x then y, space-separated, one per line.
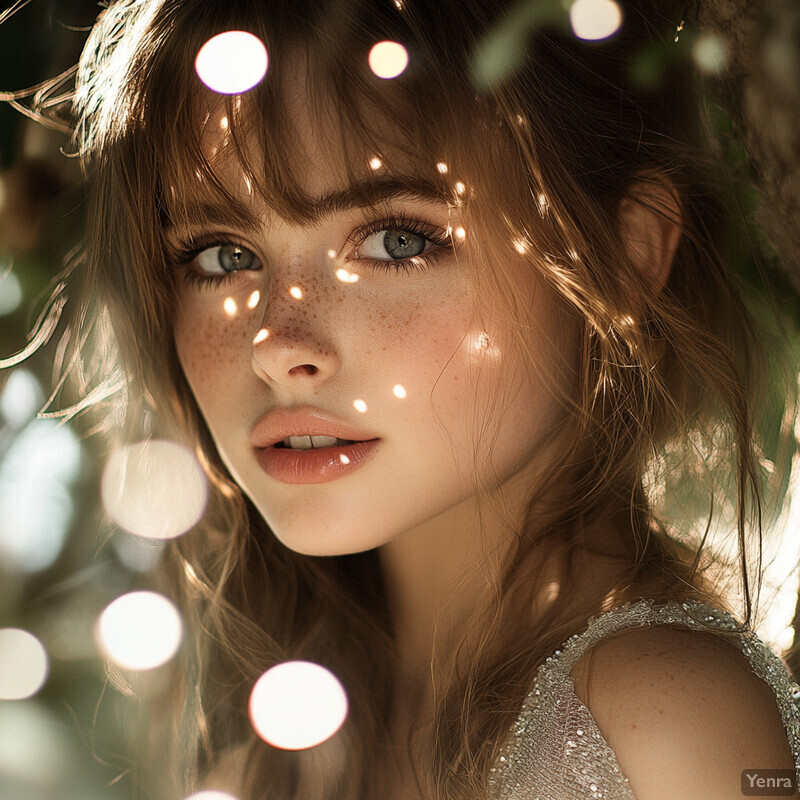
pixel 318 465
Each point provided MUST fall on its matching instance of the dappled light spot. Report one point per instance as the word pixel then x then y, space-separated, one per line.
pixel 229 306
pixel 346 277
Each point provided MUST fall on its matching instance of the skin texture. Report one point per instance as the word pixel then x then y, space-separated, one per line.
pixel 343 341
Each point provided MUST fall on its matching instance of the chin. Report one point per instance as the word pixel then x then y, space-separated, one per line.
pixel 314 538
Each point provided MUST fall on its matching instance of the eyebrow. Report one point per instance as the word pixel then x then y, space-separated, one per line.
pixel 363 194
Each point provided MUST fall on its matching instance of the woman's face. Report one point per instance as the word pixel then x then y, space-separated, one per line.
pixel 360 326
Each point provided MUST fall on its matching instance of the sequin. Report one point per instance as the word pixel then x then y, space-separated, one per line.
pixel 554 750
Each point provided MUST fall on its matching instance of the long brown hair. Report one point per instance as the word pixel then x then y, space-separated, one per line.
pixel 546 151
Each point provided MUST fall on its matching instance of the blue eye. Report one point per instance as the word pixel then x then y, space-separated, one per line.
pixel 225 259
pixel 389 245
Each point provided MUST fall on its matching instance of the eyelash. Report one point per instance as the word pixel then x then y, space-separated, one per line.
pixel 439 238
pixel 184 256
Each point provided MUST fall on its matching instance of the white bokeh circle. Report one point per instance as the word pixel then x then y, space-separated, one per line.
pixel 297 704
pixel 232 62
pixel 23 664
pixel 155 489
pixel 140 630
pixel 388 59
pixel 593 20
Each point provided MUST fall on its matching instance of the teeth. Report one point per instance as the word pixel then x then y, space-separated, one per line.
pixel 324 441
pixel 307 442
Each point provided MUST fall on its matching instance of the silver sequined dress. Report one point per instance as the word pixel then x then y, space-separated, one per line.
pixel 555 751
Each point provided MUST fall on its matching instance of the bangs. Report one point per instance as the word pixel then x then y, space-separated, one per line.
pixel 180 132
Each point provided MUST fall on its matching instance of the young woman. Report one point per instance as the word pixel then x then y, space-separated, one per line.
pixel 437 341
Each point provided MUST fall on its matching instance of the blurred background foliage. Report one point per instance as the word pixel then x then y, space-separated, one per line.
pixel 60 561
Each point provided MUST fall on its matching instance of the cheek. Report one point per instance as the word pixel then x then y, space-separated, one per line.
pixel 211 345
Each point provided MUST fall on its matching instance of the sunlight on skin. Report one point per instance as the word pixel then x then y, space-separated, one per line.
pixel 388 59
pixel 360 406
pixel 261 336
pixel 254 299
pixel 346 277
pixel 229 306
pixel 296 292
pixel 399 391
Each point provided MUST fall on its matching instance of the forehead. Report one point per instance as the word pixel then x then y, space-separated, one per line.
pixel 307 149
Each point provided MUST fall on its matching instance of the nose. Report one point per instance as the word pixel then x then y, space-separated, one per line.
pixel 292 348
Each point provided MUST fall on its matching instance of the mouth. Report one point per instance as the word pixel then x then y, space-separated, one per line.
pixel 310 459
pixel 311 442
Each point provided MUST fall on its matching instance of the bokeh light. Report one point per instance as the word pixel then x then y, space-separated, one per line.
pixel 154 489
pixel 10 291
pixel 375 163
pixel 297 705
pixel 21 398
pixel 261 336
pixel 399 391
pixel 593 20
pixel 296 292
pixel 232 62
pixel 211 794
pixel 254 299
pixel 710 53
pixel 360 406
pixel 23 664
pixel 441 167
pixel 140 630
pixel 36 506
pixel 388 59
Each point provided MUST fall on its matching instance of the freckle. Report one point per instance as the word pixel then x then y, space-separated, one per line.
pixel 633 726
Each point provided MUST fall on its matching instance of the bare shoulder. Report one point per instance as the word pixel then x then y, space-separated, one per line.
pixel 683 712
